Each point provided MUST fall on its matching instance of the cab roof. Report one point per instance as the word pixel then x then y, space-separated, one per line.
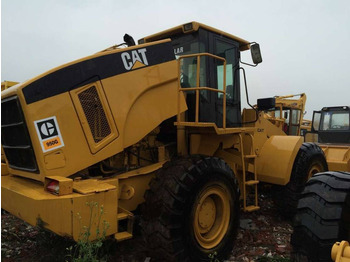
pixel 190 28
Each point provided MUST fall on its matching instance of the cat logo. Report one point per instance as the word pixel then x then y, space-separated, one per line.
pixel 135 59
pixel 49 134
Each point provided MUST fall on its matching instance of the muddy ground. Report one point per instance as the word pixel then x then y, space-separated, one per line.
pixel 263 236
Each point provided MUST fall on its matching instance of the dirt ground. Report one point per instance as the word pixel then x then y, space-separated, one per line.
pixel 263 236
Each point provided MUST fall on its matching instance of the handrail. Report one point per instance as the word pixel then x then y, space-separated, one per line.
pixel 198 88
pixel 201 88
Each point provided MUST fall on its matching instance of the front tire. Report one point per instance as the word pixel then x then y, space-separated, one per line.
pixel 309 161
pixel 191 210
pixel 323 217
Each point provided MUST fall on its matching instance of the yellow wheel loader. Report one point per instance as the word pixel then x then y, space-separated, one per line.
pixel 323 215
pixel 154 131
pixel 330 129
pixel 288 113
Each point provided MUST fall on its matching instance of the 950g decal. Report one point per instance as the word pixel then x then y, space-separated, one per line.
pixel 49 134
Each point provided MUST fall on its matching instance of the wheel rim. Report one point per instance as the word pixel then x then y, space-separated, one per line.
pixel 314 169
pixel 212 216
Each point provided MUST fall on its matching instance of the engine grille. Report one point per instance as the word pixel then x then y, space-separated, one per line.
pixel 94 114
pixel 15 137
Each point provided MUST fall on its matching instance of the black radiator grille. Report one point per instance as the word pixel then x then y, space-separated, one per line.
pixel 95 114
pixel 15 138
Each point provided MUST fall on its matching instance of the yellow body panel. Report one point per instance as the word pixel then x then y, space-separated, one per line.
pixel 27 200
pixel 66 215
pixel 4 169
pixel 337 156
pixel 270 143
pixel 278 172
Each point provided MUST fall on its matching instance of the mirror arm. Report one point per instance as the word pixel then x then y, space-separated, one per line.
pixel 253 65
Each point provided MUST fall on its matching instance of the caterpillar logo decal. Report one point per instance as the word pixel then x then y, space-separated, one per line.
pixel 135 59
pixel 49 134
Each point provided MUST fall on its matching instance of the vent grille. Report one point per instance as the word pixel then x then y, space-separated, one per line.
pixel 15 137
pixel 94 114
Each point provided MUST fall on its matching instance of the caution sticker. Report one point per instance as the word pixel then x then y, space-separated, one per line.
pixel 49 134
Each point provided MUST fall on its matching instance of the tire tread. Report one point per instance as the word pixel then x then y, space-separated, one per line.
pixel 322 217
pixel 163 217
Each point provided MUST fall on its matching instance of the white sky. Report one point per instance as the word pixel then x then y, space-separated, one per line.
pixel 303 42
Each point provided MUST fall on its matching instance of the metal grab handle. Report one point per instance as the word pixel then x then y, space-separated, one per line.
pixel 197 89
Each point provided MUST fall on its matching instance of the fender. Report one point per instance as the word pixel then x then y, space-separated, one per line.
pixel 276 158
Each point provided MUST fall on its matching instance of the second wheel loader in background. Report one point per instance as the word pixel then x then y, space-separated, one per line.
pixel 154 131
pixel 288 113
pixel 330 129
pixel 323 214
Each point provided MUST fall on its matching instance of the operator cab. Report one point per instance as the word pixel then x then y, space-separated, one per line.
pixel 332 124
pixel 292 118
pixel 194 38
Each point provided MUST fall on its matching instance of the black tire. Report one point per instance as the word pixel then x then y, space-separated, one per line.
pixel 309 160
pixel 168 212
pixel 323 217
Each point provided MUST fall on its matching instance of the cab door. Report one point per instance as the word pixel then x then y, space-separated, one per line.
pixel 229 50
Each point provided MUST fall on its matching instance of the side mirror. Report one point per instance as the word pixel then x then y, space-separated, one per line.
pixel 256 54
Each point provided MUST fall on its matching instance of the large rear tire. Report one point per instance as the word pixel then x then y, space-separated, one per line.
pixel 309 161
pixel 191 210
pixel 323 217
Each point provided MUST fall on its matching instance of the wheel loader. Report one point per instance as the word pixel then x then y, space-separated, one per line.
pixel 288 113
pixel 154 134
pixel 330 129
pixel 323 214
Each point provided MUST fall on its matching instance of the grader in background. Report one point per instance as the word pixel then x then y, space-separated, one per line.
pixel 153 130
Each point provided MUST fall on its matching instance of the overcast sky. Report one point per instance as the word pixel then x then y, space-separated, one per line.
pixel 304 43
